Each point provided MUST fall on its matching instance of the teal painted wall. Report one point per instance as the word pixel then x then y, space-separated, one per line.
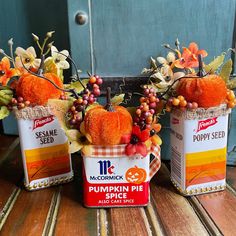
pixel 19 18
pixel 121 35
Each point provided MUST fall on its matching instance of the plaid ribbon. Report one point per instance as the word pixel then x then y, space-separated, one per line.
pixel 119 151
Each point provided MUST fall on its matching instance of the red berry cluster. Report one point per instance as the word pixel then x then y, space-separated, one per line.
pixel 87 97
pixel 180 103
pixel 19 103
pixel 145 112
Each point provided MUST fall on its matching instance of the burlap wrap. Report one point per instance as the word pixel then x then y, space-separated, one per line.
pixel 202 113
pixel 31 113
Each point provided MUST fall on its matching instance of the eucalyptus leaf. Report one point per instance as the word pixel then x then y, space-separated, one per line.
pixel 59 109
pixel 4 112
pixel 118 99
pixel 226 70
pixel 215 64
pixel 77 85
pixel 231 84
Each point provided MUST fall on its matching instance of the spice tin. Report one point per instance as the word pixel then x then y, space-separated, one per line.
pixel 112 179
pixel 44 148
pixel 199 149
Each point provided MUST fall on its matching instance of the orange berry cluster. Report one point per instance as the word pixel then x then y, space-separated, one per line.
pixel 230 99
pixel 180 103
pixel 145 112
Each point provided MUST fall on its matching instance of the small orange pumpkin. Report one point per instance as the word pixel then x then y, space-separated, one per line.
pixel 38 90
pixel 206 90
pixel 106 125
pixel 135 175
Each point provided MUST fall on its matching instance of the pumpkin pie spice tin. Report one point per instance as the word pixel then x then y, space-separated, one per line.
pixel 45 150
pixel 199 150
pixel 112 179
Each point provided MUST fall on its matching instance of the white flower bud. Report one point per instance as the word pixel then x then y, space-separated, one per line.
pixel 10 42
pixel 35 37
pixel 170 57
pixel 50 33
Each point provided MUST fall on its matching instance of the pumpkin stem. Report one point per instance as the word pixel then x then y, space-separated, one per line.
pixel 201 71
pixel 40 70
pixel 109 106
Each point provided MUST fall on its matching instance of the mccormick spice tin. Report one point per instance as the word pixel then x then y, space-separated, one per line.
pixel 112 179
pixel 44 148
pixel 199 149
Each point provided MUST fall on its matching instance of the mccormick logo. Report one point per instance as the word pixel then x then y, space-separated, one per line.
pixel 175 121
pixel 42 121
pixel 106 170
pixel 106 167
pixel 204 124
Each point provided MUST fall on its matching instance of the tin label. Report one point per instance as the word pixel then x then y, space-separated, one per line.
pixel 45 151
pixel 116 181
pixel 198 152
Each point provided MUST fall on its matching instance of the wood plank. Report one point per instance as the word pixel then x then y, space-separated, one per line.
pixel 29 213
pixel 73 218
pixel 11 173
pixel 231 176
pixel 128 221
pixel 221 207
pixel 176 214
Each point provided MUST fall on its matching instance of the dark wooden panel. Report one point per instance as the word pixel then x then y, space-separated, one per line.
pixel 73 218
pixel 127 221
pixel 5 142
pixel 176 214
pixel 231 176
pixel 221 206
pixel 29 213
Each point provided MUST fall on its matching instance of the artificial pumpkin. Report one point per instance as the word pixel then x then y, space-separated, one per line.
pixel 38 90
pixel 106 125
pixel 207 90
pixel 135 175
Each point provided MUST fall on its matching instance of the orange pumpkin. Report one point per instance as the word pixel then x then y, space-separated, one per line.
pixel 106 125
pixel 135 175
pixel 206 90
pixel 38 90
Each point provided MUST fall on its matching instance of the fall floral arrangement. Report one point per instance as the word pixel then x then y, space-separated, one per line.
pixel 28 81
pixel 185 82
pixel 173 82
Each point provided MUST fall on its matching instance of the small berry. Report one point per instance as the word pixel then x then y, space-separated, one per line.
pixel 92 80
pixel 175 101
pixel 194 105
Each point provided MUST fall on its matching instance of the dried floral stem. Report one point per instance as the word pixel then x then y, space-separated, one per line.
pixel 57 87
pixel 163 94
pixel 76 69
pixel 4 54
pixel 43 46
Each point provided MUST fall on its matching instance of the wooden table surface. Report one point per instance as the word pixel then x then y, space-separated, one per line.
pixel 59 210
